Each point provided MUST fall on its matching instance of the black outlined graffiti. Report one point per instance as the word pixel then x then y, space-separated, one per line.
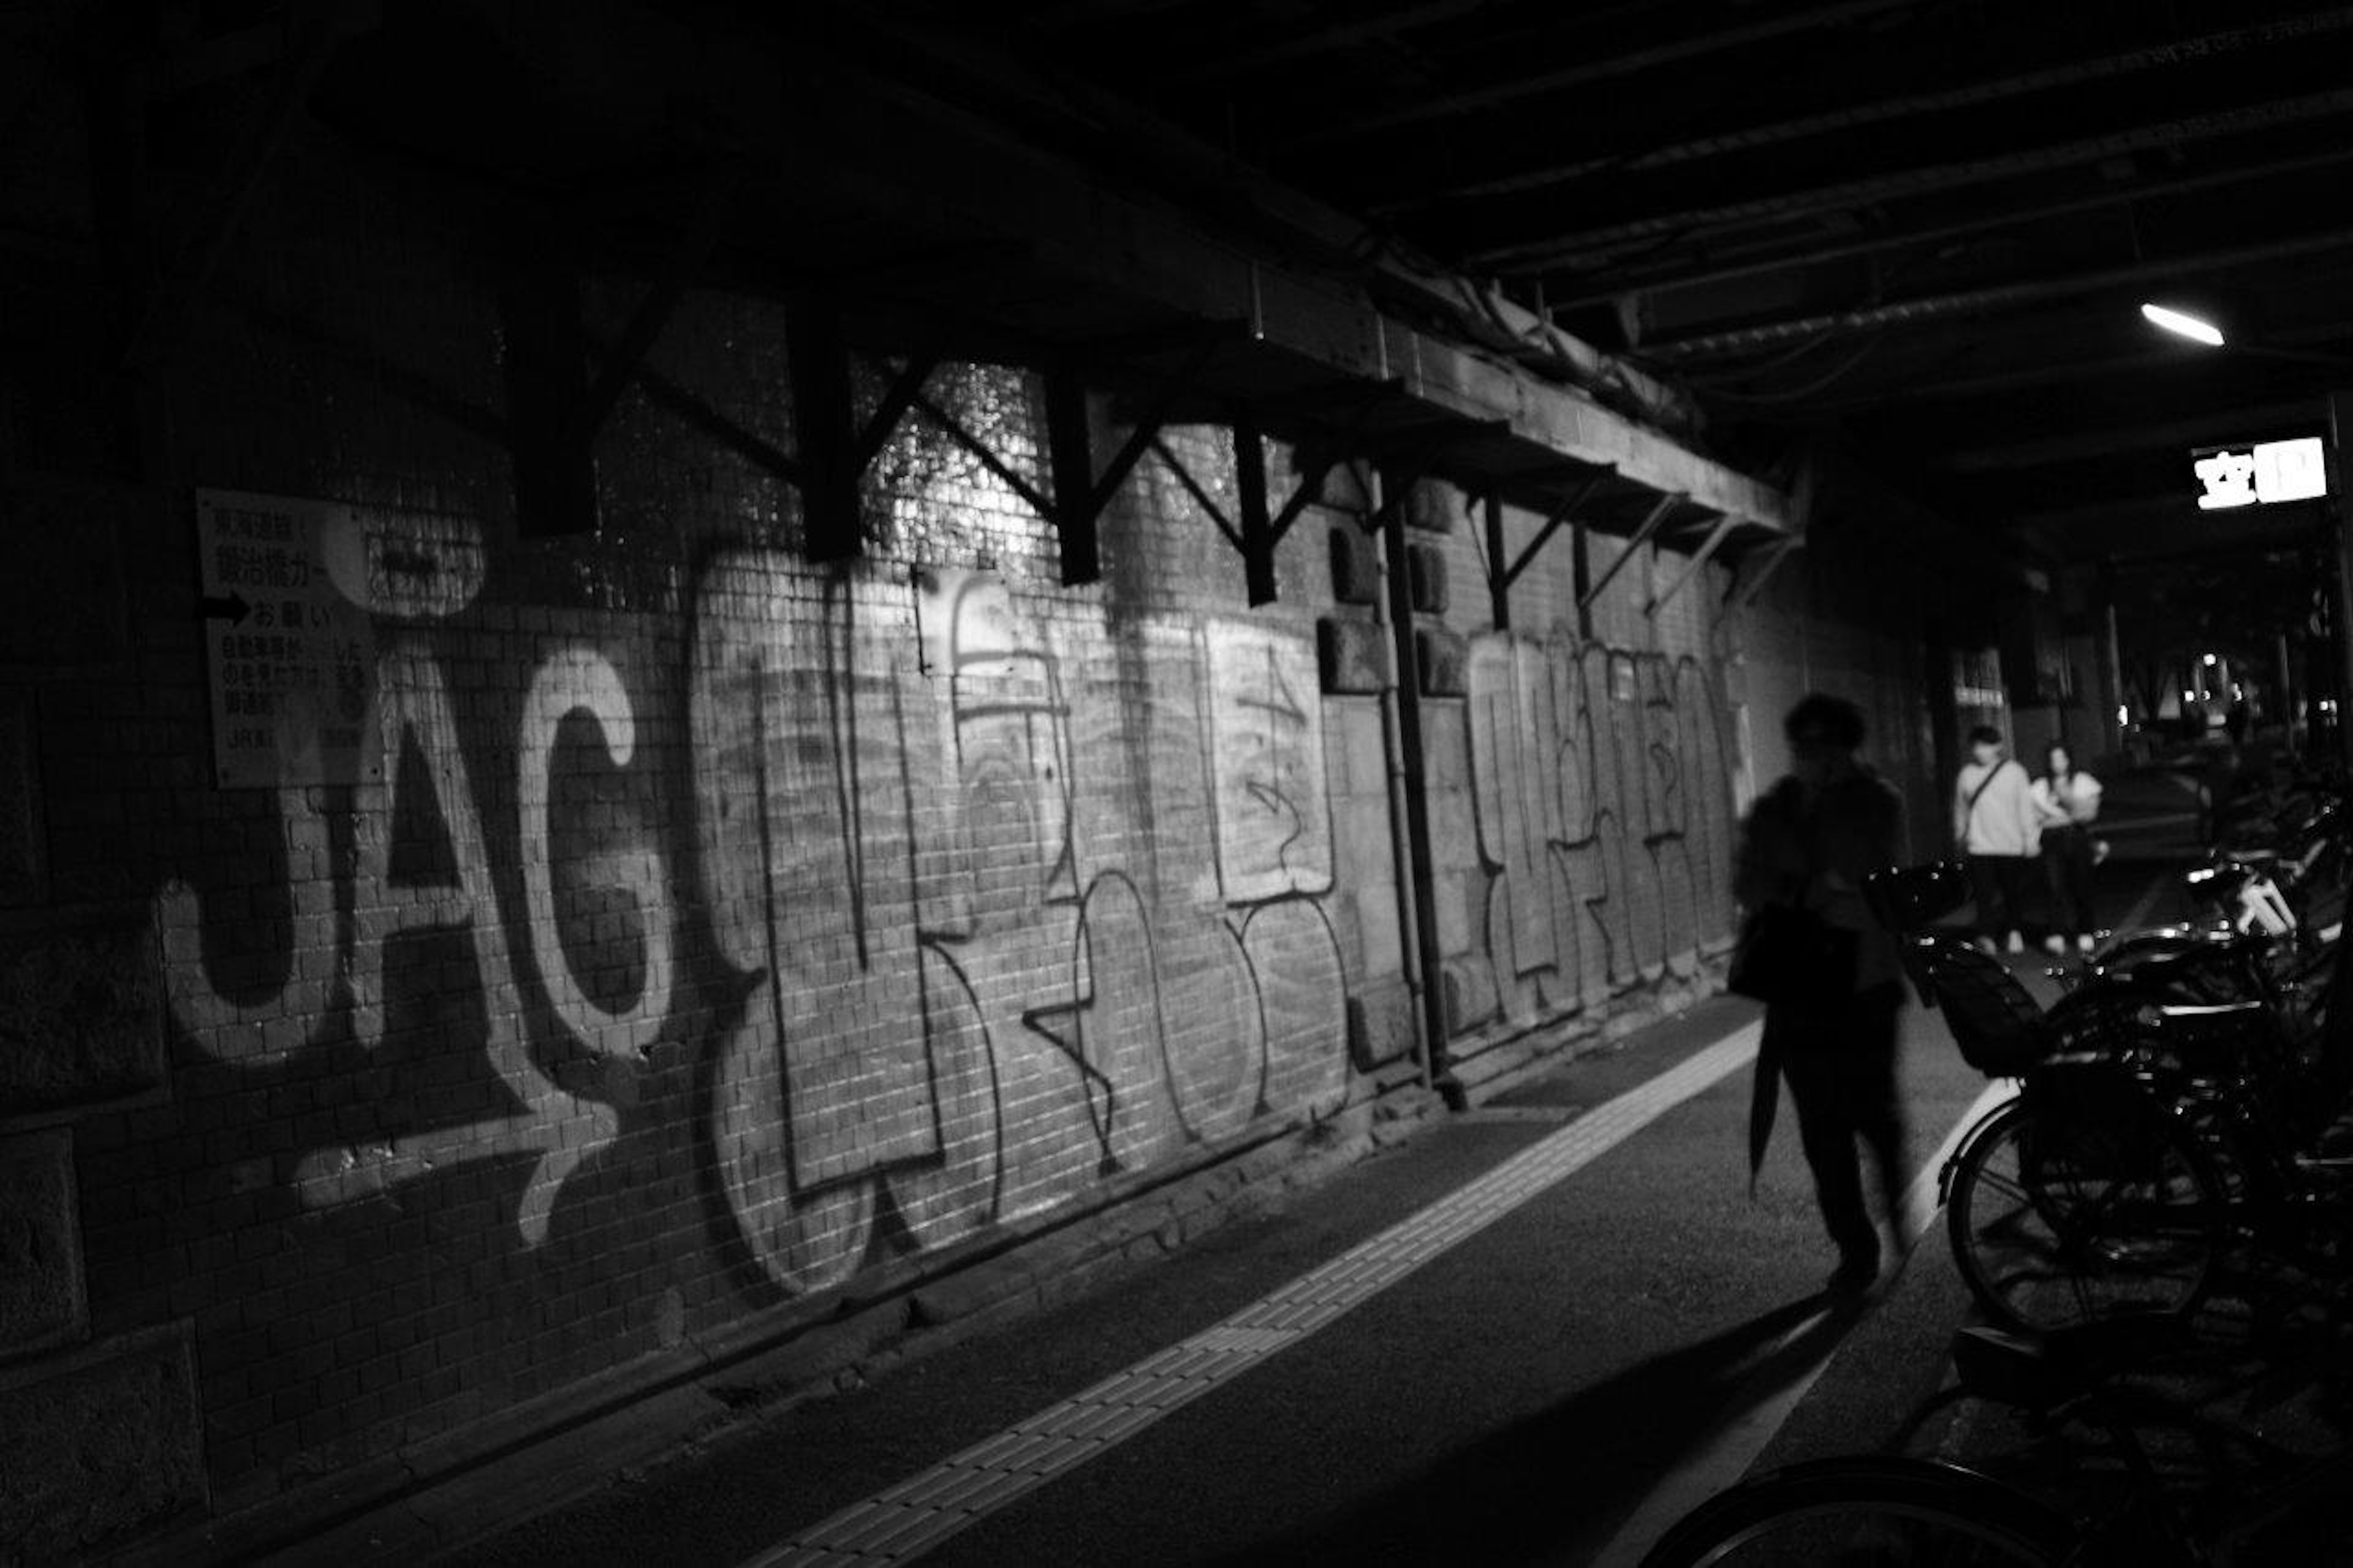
pixel 1598 793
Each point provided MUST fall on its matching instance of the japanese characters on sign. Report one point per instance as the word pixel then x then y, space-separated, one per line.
pixel 290 655
pixel 2263 473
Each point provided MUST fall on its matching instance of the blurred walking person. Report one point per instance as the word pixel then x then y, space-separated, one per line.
pixel 2066 804
pixel 1831 1005
pixel 1998 831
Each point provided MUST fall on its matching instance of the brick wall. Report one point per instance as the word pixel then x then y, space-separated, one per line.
pixel 1579 782
pixel 702 929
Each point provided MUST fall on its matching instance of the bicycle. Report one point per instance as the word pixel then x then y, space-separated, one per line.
pixel 2089 1195
pixel 2143 1150
pixel 1900 1511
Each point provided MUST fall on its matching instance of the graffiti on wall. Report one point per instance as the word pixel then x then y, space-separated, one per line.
pixel 1009 912
pixel 913 814
pixel 415 950
pixel 1603 831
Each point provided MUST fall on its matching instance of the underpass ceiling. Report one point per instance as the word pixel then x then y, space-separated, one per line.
pixel 1916 230
pixel 1917 227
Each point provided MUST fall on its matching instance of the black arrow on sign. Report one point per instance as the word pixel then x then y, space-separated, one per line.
pixel 232 609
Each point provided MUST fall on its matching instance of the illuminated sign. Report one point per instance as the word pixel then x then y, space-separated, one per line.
pixel 2259 475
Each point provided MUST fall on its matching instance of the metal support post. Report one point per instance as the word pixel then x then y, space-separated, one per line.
pixel 1422 867
pixel 1257 527
pixel 1071 455
pixel 1499 581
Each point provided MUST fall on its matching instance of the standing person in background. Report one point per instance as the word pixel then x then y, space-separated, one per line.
pixel 1997 827
pixel 1807 844
pixel 2066 804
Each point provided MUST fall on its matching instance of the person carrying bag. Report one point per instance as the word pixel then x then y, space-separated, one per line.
pixel 1829 974
pixel 1998 830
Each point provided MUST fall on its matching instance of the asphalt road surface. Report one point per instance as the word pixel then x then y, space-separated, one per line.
pixel 1549 1380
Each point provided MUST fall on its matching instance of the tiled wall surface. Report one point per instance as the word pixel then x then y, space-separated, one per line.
pixel 708 926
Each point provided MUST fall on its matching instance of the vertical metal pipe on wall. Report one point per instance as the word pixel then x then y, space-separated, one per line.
pixel 1417 868
pixel 1409 897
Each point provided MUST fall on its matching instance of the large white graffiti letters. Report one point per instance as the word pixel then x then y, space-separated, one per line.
pixel 581 680
pixel 430 900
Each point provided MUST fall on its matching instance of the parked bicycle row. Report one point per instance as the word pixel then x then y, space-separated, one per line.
pixel 2178 1156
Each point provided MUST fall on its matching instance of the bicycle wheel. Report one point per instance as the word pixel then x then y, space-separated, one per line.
pixel 2067 1209
pixel 1868 1513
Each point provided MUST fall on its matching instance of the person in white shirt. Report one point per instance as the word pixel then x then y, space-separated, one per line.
pixel 1998 829
pixel 2066 804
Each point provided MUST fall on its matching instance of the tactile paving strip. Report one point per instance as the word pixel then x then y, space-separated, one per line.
pixel 902 1523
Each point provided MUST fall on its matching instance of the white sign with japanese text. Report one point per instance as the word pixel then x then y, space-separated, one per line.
pixel 291 655
pixel 2266 472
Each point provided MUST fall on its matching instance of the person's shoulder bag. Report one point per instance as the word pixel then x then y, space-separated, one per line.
pixel 1786 954
pixel 1789 956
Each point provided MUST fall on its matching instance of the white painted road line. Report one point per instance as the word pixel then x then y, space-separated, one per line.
pixel 916 1515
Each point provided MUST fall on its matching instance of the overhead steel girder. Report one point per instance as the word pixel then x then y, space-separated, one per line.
pixel 1634 280
pixel 1765 334
pixel 1597 66
pixel 1590 246
pixel 2019 81
pixel 1319 39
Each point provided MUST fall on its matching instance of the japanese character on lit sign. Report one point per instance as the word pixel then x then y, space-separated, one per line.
pixel 2266 472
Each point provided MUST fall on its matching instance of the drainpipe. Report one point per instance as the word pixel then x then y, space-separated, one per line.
pixel 1409 895
pixel 1413 781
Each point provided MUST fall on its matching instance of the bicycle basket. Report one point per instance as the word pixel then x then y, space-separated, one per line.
pixel 1998 1026
pixel 1907 898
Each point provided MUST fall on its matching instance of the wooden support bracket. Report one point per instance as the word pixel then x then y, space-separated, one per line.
pixel 1692 568
pixel 1552 523
pixel 954 431
pixel 1080 493
pixel 693 246
pixel 1642 536
pixel 1201 498
pixel 904 389
pixel 1774 554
